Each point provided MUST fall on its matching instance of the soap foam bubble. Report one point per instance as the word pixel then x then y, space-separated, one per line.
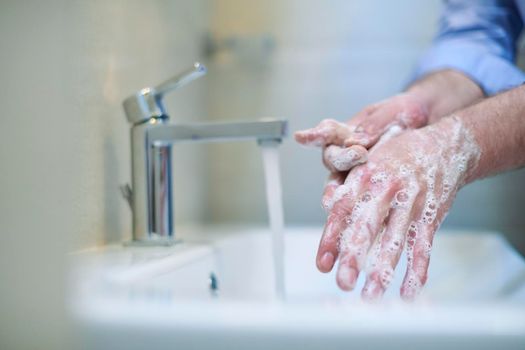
pixel 339 193
pixel 379 177
pixel 447 166
pixel 392 131
pixel 386 276
pixel 344 159
pixel 400 199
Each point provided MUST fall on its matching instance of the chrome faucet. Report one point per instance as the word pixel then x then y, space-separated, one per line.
pixel 152 136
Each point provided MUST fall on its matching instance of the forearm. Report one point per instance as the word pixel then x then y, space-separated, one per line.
pixel 497 125
pixel 473 52
pixel 444 92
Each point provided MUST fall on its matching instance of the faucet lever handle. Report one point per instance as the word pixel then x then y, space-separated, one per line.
pixel 196 71
pixel 147 103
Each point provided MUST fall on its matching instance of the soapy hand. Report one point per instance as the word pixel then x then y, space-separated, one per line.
pixel 397 199
pixel 345 144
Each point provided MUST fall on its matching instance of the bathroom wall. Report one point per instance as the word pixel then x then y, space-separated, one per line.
pixel 114 49
pixel 331 58
pixel 99 52
pixel 65 67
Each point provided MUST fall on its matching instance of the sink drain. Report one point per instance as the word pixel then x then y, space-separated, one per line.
pixel 213 283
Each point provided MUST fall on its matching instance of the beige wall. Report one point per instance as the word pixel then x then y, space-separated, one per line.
pixel 114 49
pixel 65 67
pixel 331 59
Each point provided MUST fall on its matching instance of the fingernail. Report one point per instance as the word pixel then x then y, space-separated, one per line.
pixel 359 128
pixel 327 261
pixel 300 135
pixel 408 294
pixel 346 278
pixel 411 286
pixel 326 201
pixel 326 204
pixel 372 291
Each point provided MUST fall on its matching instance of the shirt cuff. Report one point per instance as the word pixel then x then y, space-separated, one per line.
pixel 491 72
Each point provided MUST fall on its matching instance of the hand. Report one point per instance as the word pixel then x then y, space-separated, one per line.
pixel 344 144
pixel 404 111
pixel 398 198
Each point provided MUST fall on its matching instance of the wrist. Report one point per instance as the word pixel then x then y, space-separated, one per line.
pixel 463 152
pixel 444 92
pixel 496 123
pixel 423 98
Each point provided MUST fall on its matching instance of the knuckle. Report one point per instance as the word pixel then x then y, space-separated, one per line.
pixel 342 208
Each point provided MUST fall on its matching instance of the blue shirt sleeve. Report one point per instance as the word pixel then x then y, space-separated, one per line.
pixel 477 38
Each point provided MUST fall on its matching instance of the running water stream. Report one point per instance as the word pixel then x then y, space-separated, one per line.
pixel 270 153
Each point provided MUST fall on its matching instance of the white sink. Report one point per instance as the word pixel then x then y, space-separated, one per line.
pixel 134 298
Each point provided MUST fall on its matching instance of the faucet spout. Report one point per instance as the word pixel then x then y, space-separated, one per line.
pixel 152 137
pixel 264 130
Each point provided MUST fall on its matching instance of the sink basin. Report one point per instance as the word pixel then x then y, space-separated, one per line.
pixel 216 290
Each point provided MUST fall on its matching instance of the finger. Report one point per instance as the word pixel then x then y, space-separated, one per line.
pixel 329 131
pixel 358 136
pixel 344 199
pixel 363 225
pixel 419 244
pixel 372 128
pixel 336 158
pixel 347 271
pixel 387 250
pixel 328 251
pixel 347 188
pixel 375 137
pixel 405 114
pixel 335 180
pixel 413 114
pixel 361 116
